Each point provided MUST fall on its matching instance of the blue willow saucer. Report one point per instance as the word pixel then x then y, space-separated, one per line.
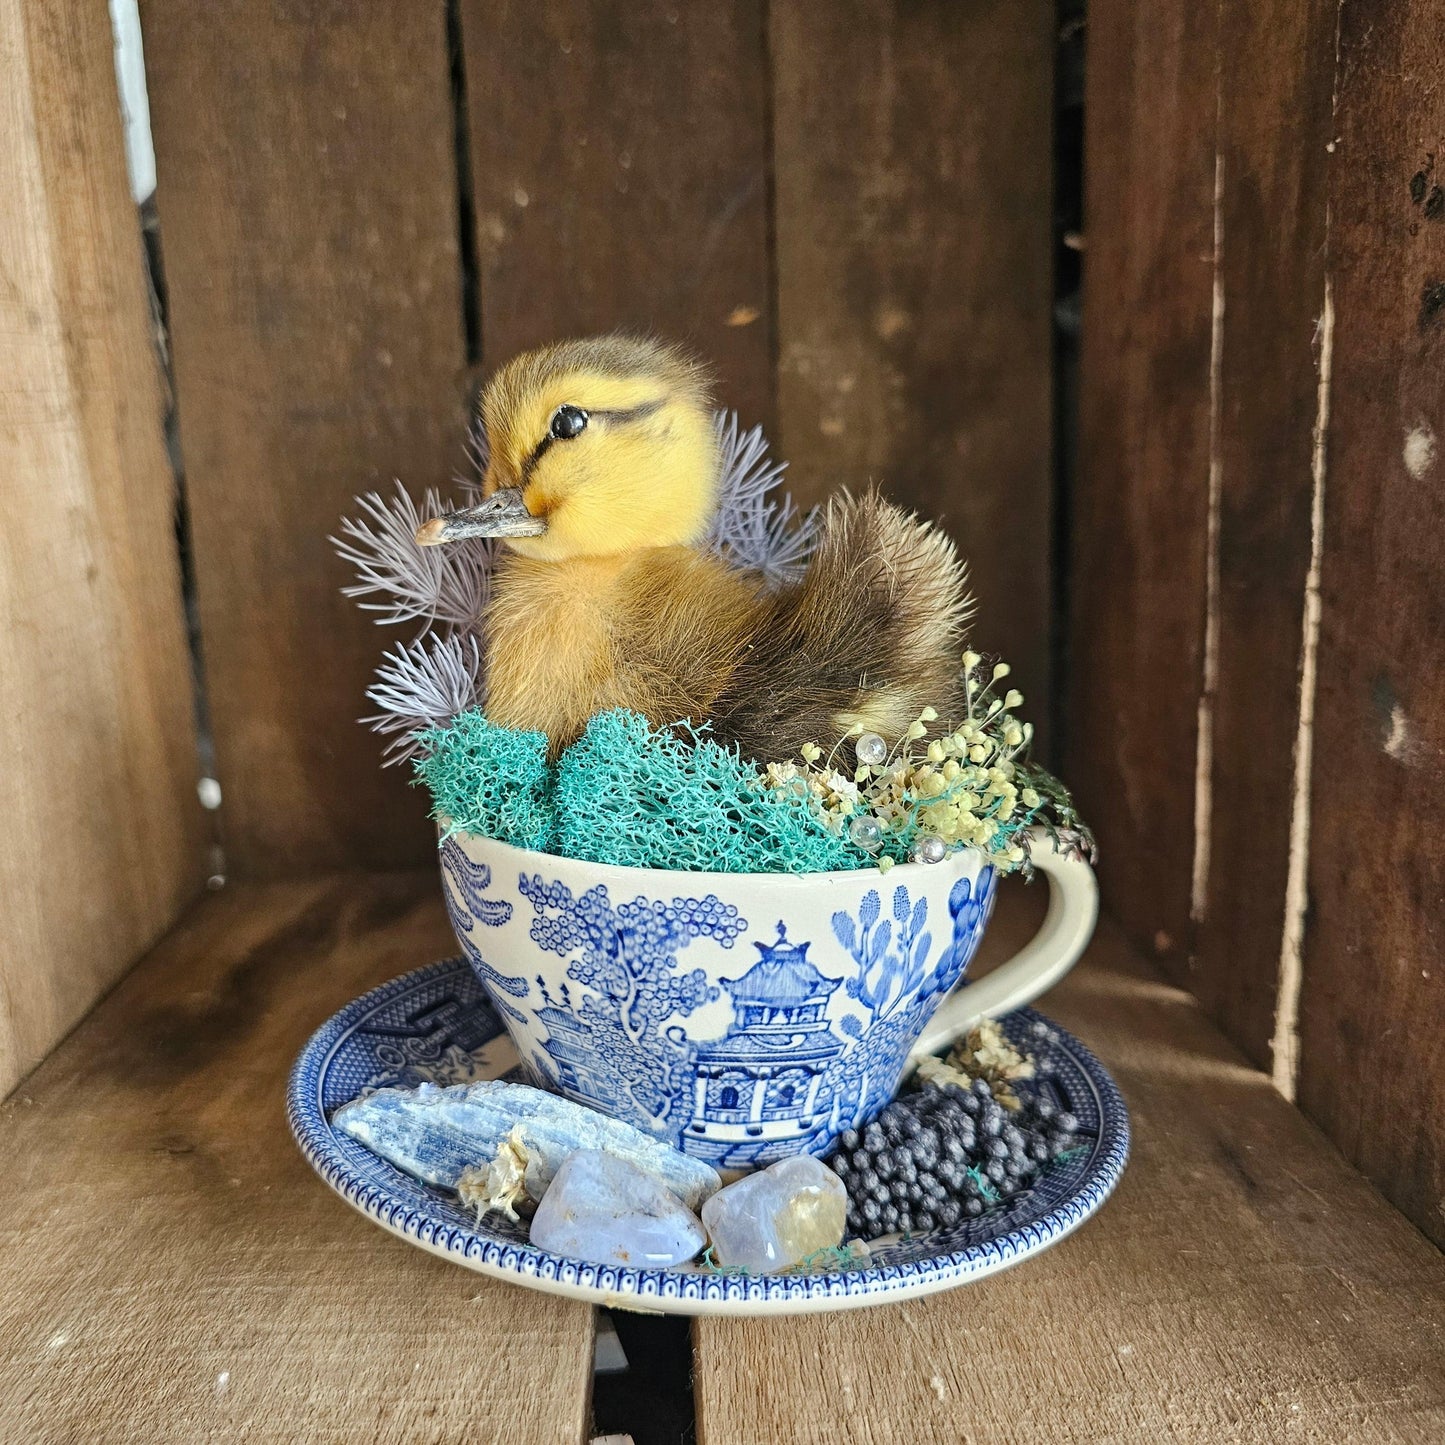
pixel 436 1025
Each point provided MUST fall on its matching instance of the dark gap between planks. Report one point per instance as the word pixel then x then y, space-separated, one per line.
pixel 651 1399
pixel 1068 226
pixel 150 229
pixel 466 199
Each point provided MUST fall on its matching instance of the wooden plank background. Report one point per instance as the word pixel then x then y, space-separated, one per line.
pixel 620 171
pixel 915 281
pixel 1279 76
pixel 1139 516
pixel 1372 1007
pixel 1279 344
pixel 307 198
pixel 103 843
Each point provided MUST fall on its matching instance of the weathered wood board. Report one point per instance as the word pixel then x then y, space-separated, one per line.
pixel 1278 80
pixel 307 198
pixel 170 1267
pixel 1140 512
pixel 1372 1006
pixel 914 187
pixel 620 175
pixel 103 842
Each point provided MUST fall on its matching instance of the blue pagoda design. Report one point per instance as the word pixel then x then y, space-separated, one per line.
pixel 761 1085
pixel 577 1064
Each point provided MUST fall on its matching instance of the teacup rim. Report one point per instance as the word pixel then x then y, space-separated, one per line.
pixel 899 872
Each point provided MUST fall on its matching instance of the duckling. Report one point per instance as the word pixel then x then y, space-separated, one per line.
pixel 603 479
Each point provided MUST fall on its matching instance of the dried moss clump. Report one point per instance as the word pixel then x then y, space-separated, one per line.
pixel 489 780
pixel 677 799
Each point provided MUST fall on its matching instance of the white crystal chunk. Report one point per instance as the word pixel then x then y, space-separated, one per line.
pixel 778 1217
pixel 606 1210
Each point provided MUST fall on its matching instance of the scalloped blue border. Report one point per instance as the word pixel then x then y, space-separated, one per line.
pixel 681 1291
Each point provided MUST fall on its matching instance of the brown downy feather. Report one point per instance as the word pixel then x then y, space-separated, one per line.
pixel 871 634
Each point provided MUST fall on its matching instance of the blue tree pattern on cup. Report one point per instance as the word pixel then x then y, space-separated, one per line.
pixel 795 1066
pixel 969 908
pixel 628 965
pixel 896 988
pixel 468 882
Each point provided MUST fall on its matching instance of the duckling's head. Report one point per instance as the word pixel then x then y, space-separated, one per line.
pixel 598 448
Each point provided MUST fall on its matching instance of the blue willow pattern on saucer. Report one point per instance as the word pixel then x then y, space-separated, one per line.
pixel 436 1024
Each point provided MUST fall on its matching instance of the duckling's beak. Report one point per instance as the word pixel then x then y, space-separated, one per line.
pixel 503 514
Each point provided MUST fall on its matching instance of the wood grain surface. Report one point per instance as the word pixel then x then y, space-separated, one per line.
pixel 102 843
pixel 1140 510
pixel 620 171
pixel 1373 1001
pixel 170 1267
pixel 913 202
pixel 1244 1284
pixel 1307 851
pixel 1277 78
pixel 307 198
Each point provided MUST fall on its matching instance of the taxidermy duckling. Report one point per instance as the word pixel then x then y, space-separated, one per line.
pixel 603 480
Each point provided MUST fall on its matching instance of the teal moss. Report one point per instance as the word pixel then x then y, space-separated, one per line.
pixel 626 794
pixel 678 799
pixel 490 780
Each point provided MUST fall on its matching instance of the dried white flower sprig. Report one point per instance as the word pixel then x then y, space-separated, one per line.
pixel 923 798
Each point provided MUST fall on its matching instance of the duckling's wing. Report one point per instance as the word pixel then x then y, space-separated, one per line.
pixel 871 635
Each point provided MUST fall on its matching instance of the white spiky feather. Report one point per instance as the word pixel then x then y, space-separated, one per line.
pixel 422 685
pixel 402 582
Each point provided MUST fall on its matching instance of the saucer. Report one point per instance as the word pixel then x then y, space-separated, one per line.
pixel 436 1025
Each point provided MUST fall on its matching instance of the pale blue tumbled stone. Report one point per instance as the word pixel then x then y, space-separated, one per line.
pixel 777 1217
pixel 436 1133
pixel 602 1209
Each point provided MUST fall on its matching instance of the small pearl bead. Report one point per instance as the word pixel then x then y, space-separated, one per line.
pixel 929 849
pixel 866 833
pixel 871 749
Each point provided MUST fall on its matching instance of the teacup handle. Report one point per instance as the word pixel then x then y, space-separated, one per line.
pixel 1038 966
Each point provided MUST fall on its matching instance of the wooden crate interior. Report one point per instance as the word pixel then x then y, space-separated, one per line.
pixel 1211 551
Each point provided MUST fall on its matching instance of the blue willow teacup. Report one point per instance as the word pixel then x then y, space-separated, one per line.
pixel 742 1017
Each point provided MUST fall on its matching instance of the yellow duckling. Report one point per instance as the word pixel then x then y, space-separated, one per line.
pixel 603 480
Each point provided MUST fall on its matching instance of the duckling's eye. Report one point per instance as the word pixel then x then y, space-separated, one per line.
pixel 568 422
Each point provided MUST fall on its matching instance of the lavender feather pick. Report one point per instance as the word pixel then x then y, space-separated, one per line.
pixel 426 683
pixel 444 587
pixel 757 526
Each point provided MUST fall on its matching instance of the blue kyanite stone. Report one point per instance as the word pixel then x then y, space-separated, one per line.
pixel 603 1209
pixel 435 1134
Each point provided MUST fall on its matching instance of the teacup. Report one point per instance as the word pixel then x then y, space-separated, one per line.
pixel 743 1017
